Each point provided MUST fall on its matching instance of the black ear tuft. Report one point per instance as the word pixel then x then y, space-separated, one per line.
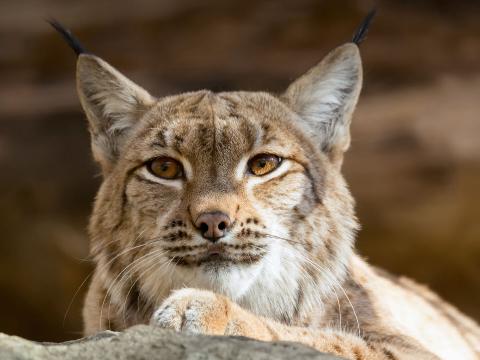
pixel 71 40
pixel 362 30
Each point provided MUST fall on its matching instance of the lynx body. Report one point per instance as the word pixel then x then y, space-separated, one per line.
pixel 227 213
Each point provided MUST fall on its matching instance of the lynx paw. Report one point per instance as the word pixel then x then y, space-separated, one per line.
pixel 193 310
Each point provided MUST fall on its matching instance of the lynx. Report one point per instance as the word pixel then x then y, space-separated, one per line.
pixel 227 214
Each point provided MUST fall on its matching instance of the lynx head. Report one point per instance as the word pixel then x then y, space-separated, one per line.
pixel 237 192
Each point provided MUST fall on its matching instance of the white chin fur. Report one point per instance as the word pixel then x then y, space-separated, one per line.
pixel 232 281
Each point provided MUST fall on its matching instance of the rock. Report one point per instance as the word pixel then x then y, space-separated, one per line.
pixel 144 342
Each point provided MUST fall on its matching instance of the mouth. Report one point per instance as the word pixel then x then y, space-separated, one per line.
pixel 218 255
pixel 215 253
pixel 214 258
pixel 214 249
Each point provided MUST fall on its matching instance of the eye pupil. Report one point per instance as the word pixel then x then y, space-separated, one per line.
pixel 165 166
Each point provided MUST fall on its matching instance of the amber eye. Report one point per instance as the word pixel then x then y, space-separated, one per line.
pixel 165 168
pixel 263 164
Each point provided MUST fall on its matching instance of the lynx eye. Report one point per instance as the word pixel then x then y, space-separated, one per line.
pixel 165 168
pixel 263 164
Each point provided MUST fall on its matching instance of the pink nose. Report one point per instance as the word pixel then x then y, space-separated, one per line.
pixel 213 225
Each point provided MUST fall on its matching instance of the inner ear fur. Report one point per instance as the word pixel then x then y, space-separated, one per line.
pixel 113 105
pixel 325 98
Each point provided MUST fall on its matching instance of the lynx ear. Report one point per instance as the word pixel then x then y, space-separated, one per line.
pixel 112 103
pixel 325 98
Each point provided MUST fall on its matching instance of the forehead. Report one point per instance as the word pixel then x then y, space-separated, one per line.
pixel 224 125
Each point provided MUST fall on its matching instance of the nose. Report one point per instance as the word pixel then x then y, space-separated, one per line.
pixel 213 225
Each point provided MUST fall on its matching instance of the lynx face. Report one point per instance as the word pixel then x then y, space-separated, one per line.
pixel 236 192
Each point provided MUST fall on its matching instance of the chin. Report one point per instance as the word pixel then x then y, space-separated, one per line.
pixel 220 274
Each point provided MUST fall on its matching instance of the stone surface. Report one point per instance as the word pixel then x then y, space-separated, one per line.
pixel 144 342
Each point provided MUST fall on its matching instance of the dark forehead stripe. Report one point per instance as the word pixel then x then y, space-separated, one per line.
pixel 235 138
pixel 250 134
pixel 232 108
pixel 205 136
pixel 262 112
pixel 194 106
pixel 240 124
pixel 171 108
pixel 215 127
pixel 159 139
pixel 223 125
pixel 267 134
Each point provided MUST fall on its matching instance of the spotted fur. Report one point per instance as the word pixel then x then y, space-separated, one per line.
pixel 286 269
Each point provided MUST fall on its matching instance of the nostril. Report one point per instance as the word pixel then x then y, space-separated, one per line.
pixel 203 227
pixel 213 225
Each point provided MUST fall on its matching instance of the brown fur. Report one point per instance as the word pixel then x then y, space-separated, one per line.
pixel 287 269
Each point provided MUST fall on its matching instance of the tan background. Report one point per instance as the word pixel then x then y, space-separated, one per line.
pixel 414 166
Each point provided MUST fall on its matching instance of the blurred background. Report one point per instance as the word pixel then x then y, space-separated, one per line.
pixel 414 165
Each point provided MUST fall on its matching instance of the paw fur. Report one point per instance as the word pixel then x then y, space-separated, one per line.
pixel 195 311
